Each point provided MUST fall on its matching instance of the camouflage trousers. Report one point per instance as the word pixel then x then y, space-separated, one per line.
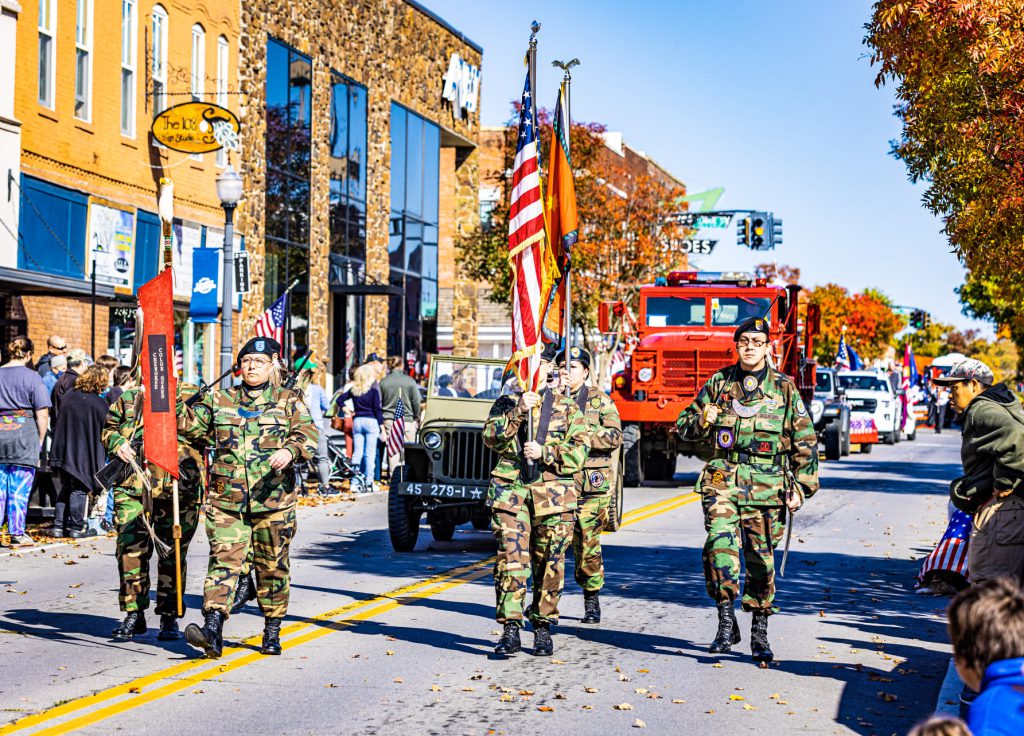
pixel 530 545
pixel 134 550
pixel 755 529
pixel 591 520
pixel 232 537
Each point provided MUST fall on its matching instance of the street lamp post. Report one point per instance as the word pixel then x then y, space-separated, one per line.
pixel 229 190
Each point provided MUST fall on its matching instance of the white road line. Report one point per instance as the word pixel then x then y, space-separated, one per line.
pixel 34 548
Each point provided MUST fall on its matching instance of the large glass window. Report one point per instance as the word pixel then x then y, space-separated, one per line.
pixel 412 246
pixel 83 58
pixel 129 32
pixel 158 54
pixel 348 169
pixel 47 33
pixel 289 97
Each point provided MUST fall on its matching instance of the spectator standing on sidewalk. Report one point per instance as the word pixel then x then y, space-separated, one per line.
pixel 24 412
pixel 397 383
pixel 78 452
pixel 77 363
pixel 56 345
pixel 992 486
pixel 367 419
pixel 57 365
pixel 941 405
pixel 318 403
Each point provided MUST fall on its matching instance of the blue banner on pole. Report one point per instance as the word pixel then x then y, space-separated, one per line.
pixel 205 275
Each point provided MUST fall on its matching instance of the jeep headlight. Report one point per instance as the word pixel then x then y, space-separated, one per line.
pixel 817 407
pixel 431 440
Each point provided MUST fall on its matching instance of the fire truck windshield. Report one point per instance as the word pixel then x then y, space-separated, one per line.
pixel 732 310
pixel 675 311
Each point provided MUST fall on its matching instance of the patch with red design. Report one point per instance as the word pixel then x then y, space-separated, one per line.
pixel 763 447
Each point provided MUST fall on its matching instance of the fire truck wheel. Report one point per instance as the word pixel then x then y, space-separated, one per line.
pixel 659 466
pixel 833 439
pixel 633 468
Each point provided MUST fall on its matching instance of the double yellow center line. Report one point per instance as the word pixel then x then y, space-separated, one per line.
pixel 121 698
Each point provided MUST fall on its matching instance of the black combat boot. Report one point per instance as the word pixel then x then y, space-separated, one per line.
pixel 245 591
pixel 542 644
pixel 271 636
pixel 728 629
pixel 509 643
pixel 759 638
pixel 209 638
pixel 168 628
pixel 134 623
pixel 591 607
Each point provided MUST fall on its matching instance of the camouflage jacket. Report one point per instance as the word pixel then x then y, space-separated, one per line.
pixel 566 444
pixel 754 440
pixel 605 437
pixel 121 427
pixel 243 433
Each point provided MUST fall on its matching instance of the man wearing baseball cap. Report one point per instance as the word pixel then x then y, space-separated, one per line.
pixel 992 486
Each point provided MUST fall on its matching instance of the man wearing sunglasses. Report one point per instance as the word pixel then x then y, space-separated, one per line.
pixel 55 346
pixel 764 461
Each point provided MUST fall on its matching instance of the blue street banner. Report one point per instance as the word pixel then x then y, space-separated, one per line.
pixel 205 273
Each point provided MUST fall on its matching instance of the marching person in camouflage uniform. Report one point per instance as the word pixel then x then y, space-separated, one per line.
pixel 765 462
pixel 256 431
pixel 533 503
pixel 594 482
pixel 134 545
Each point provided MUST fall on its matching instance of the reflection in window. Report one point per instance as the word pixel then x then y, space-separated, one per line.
pixel 735 310
pixel 287 191
pixel 675 311
pixel 412 243
pixel 158 55
pixel 347 140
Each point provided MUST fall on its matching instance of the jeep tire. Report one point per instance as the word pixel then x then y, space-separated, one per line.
pixel 403 518
pixel 832 438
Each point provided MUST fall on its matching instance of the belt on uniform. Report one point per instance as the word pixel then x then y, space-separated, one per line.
pixel 738 456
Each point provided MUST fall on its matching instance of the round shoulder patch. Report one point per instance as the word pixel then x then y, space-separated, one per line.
pixel 749 383
pixel 596 402
pixel 801 409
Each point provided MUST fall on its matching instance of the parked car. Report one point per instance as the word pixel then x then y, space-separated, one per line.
pixel 869 392
pixel 830 413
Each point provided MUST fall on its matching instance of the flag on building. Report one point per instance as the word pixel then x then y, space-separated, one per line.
pixel 396 437
pixel 950 554
pixel 563 220
pixel 271 322
pixel 159 417
pixel 527 248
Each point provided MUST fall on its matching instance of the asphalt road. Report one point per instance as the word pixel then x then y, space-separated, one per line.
pixel 380 642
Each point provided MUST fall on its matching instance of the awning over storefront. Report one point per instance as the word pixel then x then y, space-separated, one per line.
pixel 18 282
pixel 347 276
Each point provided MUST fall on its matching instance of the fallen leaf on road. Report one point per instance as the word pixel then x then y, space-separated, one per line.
pixel 330 684
pixel 70 562
pixel 76 585
pixel 643 670
pixel 736 697
pixel 390 638
pixel 678 701
pixel 774 696
pixel 506 698
pixel 526 692
pixel 133 689
pixel 435 688
pixel 477 676
pixel 641 691
pixel 639 724
pixel 623 706
pixel 198 692
pixel 653 696
pixel 399 680
pixel 748 706
pixel 624 678
pixel 717 665
pixel 545 709
pixel 588 707
pixel 557 661
pixel 560 696
pixel 468 689
pixel 590 689
pixel 710 711
pixel 821 614
pixel 70 595
pixel 390 652
pixel 887 697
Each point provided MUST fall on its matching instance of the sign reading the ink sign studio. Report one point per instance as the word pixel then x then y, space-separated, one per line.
pixel 196 127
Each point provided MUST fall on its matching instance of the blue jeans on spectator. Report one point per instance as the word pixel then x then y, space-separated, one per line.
pixel 365 432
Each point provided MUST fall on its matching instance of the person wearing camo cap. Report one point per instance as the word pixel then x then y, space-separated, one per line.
pixel 992 485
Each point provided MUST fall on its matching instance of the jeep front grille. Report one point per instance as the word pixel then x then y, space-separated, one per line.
pixel 465 458
pixel 688 370
pixel 868 405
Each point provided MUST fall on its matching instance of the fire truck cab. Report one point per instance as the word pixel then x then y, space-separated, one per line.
pixel 682 335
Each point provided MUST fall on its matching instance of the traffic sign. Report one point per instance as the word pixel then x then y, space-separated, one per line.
pixel 242 272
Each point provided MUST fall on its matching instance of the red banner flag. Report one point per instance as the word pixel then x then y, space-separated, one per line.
pixel 160 443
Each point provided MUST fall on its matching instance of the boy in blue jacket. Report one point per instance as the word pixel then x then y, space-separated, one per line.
pixel 986 624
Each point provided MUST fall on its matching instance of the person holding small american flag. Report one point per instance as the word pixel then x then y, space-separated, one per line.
pixel 399 388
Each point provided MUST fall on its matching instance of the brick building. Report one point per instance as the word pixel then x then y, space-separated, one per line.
pixel 357 151
pixel 492 328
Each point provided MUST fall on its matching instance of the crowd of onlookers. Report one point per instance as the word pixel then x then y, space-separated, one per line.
pixel 53 407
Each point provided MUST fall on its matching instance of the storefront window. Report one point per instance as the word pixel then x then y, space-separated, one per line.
pixel 412 244
pixel 289 107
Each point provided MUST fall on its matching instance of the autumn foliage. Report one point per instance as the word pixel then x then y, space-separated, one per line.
pixel 868 317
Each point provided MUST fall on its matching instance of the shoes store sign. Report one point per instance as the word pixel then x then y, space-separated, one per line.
pixel 196 127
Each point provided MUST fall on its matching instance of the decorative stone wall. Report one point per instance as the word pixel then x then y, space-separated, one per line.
pixel 399 54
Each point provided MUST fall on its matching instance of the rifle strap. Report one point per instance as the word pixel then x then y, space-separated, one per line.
pixel 581 399
pixel 546 409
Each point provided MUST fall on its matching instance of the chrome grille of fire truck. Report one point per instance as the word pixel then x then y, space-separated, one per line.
pixel 688 370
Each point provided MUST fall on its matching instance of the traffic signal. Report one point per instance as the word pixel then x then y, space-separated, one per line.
pixel 776 230
pixel 759 231
pixel 743 231
pixel 919 319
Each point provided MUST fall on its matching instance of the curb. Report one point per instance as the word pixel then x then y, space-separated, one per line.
pixel 948 703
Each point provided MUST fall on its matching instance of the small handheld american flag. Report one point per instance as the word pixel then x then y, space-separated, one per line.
pixel 271 322
pixel 396 437
pixel 950 554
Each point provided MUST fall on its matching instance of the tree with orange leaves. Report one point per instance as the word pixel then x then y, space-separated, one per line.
pixel 870 321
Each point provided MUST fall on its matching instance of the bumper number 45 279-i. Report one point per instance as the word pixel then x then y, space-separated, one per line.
pixel 443 490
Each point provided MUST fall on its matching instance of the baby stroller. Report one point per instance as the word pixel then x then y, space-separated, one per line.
pixel 342 467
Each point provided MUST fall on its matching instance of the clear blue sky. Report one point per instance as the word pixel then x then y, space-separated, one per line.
pixel 775 101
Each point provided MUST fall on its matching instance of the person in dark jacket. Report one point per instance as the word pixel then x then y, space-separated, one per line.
pixel 77 451
pixel 992 486
pixel 55 346
pixel 76 364
pixel 367 420
pixel 986 626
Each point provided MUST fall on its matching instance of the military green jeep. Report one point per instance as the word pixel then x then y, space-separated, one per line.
pixel 448 469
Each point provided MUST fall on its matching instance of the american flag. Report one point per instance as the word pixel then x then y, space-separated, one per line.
pixel 396 437
pixel 951 552
pixel 843 355
pixel 271 322
pixel 527 247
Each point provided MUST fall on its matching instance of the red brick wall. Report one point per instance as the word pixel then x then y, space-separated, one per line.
pixel 69 317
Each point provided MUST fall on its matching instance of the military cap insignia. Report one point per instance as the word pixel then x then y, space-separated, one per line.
pixel 596 402
pixel 260 346
pixel 749 383
pixel 718 477
pixel 574 352
pixel 596 478
pixel 725 438
pixel 759 324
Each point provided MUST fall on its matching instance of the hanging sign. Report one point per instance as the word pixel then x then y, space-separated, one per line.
pixel 197 127
pixel 204 306
pixel 461 84
pixel 111 245
pixel 242 272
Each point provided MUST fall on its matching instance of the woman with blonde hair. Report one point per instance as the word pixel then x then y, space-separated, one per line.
pixel 367 420
pixel 24 415
pixel 78 452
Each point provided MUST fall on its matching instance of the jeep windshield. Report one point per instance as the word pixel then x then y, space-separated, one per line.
pixel 864 383
pixel 823 383
pixel 453 379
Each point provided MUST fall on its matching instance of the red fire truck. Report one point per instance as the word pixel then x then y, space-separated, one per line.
pixel 682 335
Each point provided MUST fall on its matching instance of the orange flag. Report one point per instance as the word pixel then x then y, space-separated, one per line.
pixel 159 418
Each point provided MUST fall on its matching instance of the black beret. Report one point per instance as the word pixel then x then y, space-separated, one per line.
pixel 754 324
pixel 576 353
pixel 260 346
pixel 549 353
pixel 373 358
